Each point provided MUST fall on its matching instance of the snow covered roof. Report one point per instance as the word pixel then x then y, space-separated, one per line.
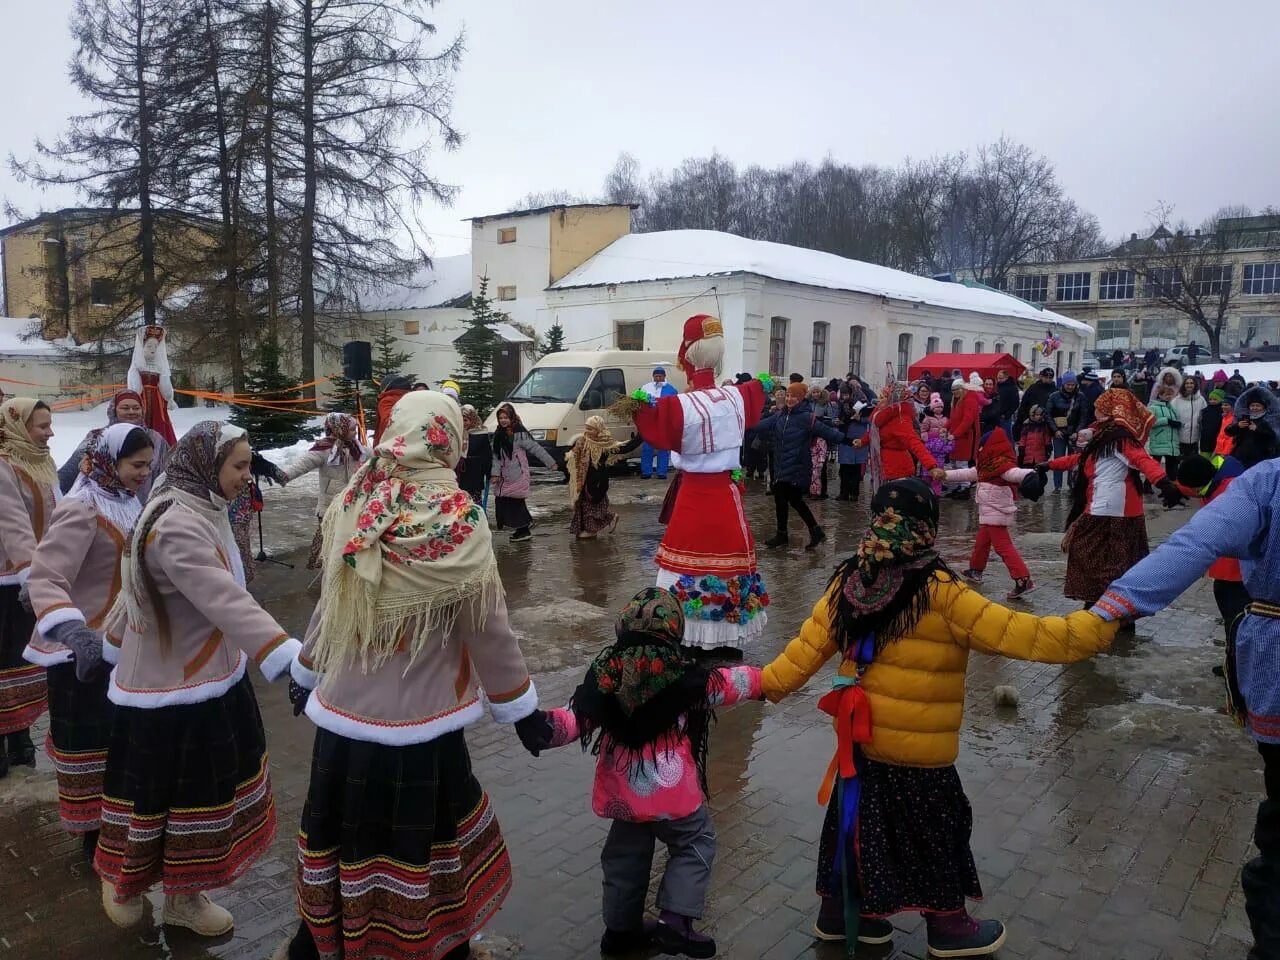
pixel 16 339
pixel 679 254
pixel 447 279
pixel 505 331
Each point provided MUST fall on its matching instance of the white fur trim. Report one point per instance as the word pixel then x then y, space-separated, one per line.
pixel 57 618
pixel 45 658
pixel 15 579
pixel 195 693
pixel 110 652
pixel 516 709
pixel 303 676
pixel 278 660
pixel 399 735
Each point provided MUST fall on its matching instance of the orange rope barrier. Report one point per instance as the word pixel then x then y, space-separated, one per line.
pixel 72 388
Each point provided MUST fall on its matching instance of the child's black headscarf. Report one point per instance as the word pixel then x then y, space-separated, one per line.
pixel 883 589
pixel 645 691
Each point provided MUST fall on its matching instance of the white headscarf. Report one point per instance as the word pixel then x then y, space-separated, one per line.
pixel 161 365
pixel 98 483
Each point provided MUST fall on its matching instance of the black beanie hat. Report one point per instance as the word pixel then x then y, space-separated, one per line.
pixel 1196 472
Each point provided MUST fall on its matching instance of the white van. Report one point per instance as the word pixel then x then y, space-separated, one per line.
pixel 555 398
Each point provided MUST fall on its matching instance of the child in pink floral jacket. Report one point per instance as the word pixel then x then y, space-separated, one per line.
pixel 645 709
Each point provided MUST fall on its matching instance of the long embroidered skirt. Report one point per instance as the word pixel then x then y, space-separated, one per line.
pixel 22 685
pixel 1102 549
pixel 399 853
pixel 79 731
pixel 590 516
pixel 187 795
pixel 911 846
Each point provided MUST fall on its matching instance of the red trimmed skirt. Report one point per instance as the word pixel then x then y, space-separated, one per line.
pixel 708 531
pixel 23 695
pixel 79 731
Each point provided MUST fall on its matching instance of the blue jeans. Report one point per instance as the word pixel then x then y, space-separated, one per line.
pixel 1059 450
pixel 646 461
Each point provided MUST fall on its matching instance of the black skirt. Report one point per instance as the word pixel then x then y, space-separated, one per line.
pixel 511 513
pixel 22 685
pixel 79 731
pixel 399 851
pixel 911 848
pixel 1101 551
pixel 187 795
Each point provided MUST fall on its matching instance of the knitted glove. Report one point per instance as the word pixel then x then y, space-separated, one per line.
pixel 1170 496
pixel 85 645
pixel 298 695
pixel 24 597
pixel 535 732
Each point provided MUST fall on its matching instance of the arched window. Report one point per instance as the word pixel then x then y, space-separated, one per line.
pixel 999 346
pixel 931 345
pixel 904 354
pixel 778 346
pixel 957 345
pixel 978 346
pixel 856 334
pixel 1017 351
pixel 818 368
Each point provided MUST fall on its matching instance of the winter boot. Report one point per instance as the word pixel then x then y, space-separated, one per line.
pixel 622 942
pixel 22 752
pixel 1021 587
pixel 198 913
pixel 89 846
pixel 674 934
pixel 521 534
pixel 779 539
pixel 816 537
pixel 973 576
pixel 4 764
pixel 830 925
pixel 121 914
pixel 960 935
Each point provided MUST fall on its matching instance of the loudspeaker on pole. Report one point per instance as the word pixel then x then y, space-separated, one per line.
pixel 357 360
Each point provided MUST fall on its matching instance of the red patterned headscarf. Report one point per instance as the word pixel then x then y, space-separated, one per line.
pixel 1119 404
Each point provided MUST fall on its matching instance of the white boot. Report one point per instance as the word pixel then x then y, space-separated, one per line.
pixel 121 914
pixel 197 912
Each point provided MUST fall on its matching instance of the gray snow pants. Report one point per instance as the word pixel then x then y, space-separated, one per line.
pixel 627 859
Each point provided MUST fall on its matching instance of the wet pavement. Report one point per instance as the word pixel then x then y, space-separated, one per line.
pixel 1112 808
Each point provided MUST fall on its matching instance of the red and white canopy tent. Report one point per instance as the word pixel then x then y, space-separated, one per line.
pixel 985 364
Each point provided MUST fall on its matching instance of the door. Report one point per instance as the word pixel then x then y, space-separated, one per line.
pixel 506 368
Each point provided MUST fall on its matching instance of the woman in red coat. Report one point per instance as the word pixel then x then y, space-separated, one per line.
pixel 893 427
pixel 965 411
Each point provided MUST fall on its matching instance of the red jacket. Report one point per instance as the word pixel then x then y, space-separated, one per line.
pixel 1110 489
pixel 900 444
pixel 385 402
pixel 964 427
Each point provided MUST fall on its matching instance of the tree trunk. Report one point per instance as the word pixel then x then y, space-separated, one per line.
pixel 230 253
pixel 1215 343
pixel 146 216
pixel 306 239
pixel 269 175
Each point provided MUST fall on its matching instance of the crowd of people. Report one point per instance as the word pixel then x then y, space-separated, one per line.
pixel 125 613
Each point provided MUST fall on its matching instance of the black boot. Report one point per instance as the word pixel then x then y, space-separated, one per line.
pixel 22 752
pixel 621 942
pixel 779 539
pixel 89 846
pixel 816 537
pixel 4 764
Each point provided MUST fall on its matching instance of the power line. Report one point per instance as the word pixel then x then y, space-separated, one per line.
pixel 662 313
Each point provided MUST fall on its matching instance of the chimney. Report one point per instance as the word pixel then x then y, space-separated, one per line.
pixel 1133 236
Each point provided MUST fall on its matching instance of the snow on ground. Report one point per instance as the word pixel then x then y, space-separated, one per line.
pixel 1250 371
pixel 674 254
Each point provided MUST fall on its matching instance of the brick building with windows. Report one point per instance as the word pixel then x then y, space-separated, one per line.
pixel 1122 307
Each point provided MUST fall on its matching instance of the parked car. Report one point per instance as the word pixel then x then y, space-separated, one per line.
pixel 1266 352
pixel 1177 356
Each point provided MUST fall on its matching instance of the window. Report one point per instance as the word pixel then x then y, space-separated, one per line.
pixel 1113 334
pixel 1073 287
pixel 1211 281
pixel 1158 332
pixel 1115 285
pixel 819 366
pixel 1163 282
pixel 507 235
pixel 1261 278
pixel 856 334
pixel 411 328
pixel 506 293
pixel 979 346
pixel 778 346
pixel 931 345
pixel 1071 360
pixel 1017 351
pixel 102 292
pixel 904 354
pixel 957 345
pixel 1000 283
pixel 999 347
pixel 629 335
pixel 1033 287
pixel 608 386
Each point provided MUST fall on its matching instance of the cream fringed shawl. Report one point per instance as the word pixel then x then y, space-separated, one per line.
pixel 406 552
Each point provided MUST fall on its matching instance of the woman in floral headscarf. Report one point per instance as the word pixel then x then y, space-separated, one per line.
pixel 896 836
pixel 28 492
pixel 589 461
pixel 337 455
pixel 409 641
pixel 1107 524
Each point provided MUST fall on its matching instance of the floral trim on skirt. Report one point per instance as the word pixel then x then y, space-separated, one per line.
pixel 23 689
pixel 590 516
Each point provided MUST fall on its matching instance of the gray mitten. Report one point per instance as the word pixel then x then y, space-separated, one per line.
pixel 24 597
pixel 84 644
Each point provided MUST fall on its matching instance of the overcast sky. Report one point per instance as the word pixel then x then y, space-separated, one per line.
pixel 1137 103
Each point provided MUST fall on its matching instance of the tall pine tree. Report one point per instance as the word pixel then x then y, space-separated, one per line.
pixel 388 359
pixel 553 340
pixel 266 381
pixel 475 351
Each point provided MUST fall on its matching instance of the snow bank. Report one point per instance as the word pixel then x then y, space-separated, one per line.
pixel 1252 372
pixel 677 254
pixel 16 339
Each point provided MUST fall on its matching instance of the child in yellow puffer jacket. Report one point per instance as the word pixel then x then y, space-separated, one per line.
pixel 896 835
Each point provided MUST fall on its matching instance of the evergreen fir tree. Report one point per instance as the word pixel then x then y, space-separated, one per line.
pixel 342 395
pixel 388 359
pixel 553 340
pixel 475 351
pixel 266 381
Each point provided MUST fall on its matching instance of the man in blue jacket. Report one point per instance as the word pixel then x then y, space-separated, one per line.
pixel 658 387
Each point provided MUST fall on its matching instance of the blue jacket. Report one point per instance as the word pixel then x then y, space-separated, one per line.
pixel 854 430
pixel 790 432
pixel 1244 522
